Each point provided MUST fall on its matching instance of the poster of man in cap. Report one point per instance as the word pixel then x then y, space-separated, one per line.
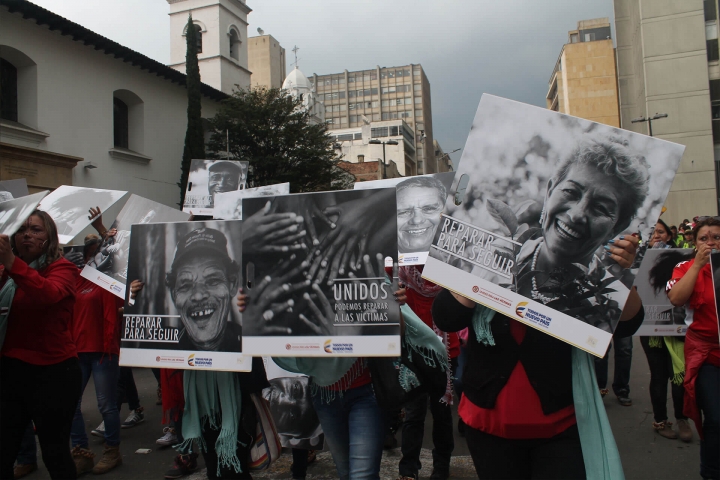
pixel 185 316
pixel 210 177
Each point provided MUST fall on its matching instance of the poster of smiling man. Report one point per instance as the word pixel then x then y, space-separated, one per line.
pixel 108 267
pixel 68 206
pixel 228 206
pixel 315 270
pixel 420 201
pixel 662 319
pixel 185 316
pixel 13 213
pixel 536 205
pixel 208 178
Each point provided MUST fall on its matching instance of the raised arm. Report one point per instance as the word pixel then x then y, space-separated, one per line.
pixel 452 312
pixel 58 284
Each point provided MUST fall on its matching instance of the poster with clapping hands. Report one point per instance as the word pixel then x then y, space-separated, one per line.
pixel 315 268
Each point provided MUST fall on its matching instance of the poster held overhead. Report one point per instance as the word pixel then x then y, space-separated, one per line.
pixel 317 282
pixel 10 189
pixel 420 201
pixel 535 202
pixel 208 178
pixel 108 268
pixel 13 213
pixel 228 206
pixel 68 206
pixel 662 319
pixel 186 315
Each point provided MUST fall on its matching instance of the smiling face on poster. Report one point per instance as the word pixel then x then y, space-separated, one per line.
pixel 420 201
pixel 209 178
pixel 68 206
pixel 315 265
pixel 228 206
pixel 536 199
pixel 185 316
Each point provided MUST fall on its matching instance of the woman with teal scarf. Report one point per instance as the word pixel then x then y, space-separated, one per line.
pixel 530 402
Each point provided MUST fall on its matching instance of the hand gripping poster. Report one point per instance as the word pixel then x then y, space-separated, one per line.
pixel 535 206
pixel 108 268
pixel 13 213
pixel 69 206
pixel 228 206
pixel 208 178
pixel 290 399
pixel 662 319
pixel 185 316
pixel 420 202
pixel 315 271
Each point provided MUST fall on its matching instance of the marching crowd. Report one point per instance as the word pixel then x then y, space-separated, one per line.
pixel 530 405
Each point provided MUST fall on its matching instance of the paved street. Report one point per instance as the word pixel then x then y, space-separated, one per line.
pixel 644 453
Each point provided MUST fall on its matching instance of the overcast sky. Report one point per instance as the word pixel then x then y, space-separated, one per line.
pixel 467 48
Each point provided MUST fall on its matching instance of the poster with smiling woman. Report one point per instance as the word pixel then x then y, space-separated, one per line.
pixel 534 210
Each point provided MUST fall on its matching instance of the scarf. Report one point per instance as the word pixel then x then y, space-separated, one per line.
pixel 7 294
pixel 412 277
pixel 676 348
pixel 600 453
pixel 212 399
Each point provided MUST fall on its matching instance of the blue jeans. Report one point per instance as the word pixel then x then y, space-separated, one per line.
pixel 623 361
pixel 707 391
pixel 28 448
pixel 105 374
pixel 354 430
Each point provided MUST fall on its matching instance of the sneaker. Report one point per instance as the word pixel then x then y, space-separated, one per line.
pixel 23 469
pixel 83 459
pixel 135 417
pixel 111 458
pixel 99 431
pixel 624 401
pixel 183 465
pixel 665 429
pixel 170 437
pixel 604 391
pixel 686 433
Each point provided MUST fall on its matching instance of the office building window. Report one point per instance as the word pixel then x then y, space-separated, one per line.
pixel 353 118
pixel 417 87
pixel 406 114
pixel 712 50
pixel 120 123
pixel 418 100
pixel 418 114
pixel 376 117
pixel 710 10
pixel 378 132
pixel 416 72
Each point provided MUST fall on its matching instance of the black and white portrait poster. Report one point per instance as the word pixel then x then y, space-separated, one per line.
pixel 186 315
pixel 108 268
pixel 420 201
pixel 69 206
pixel 534 204
pixel 291 406
pixel 208 178
pixel 13 213
pixel 228 205
pixel 315 266
pixel 10 189
pixel 715 265
pixel 661 317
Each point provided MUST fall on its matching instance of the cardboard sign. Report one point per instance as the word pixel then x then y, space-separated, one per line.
pixel 69 206
pixel 420 201
pixel 10 189
pixel 186 315
pixel 13 213
pixel 535 201
pixel 208 178
pixel 228 206
pixel 315 273
pixel 108 268
pixel 662 319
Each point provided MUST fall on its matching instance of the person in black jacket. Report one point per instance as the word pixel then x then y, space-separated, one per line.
pixel 518 399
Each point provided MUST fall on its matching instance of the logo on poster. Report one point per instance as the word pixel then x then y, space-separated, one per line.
pixel 520 309
pixel 476 289
pixel 328 346
pixel 194 361
pixel 331 347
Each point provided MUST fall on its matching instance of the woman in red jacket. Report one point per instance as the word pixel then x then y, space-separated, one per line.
pixel 39 370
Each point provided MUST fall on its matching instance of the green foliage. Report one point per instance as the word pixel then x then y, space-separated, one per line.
pixel 194 137
pixel 268 128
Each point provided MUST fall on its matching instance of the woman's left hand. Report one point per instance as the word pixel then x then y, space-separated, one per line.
pixel 623 250
pixel 7 257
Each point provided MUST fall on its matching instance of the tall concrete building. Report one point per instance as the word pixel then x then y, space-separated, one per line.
pixel 222 40
pixel 668 63
pixel 266 61
pixel 584 81
pixel 354 98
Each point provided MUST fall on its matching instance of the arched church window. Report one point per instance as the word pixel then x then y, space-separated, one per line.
pixel 234 44
pixel 8 91
pixel 198 37
pixel 120 123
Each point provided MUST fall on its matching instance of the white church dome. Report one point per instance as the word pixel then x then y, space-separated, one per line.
pixel 296 79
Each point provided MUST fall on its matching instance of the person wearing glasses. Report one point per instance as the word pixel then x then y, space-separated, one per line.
pixel 38 362
pixel 420 202
pixel 692 285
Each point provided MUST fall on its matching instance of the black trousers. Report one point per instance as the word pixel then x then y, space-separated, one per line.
pixel 47 395
pixel 413 431
pixel 661 372
pixel 127 390
pixel 496 458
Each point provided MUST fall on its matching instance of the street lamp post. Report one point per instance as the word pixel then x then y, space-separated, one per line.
pixel 649 120
pixel 375 141
pixel 448 154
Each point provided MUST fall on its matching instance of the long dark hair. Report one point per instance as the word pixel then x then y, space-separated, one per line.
pixel 661 271
pixel 52 248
